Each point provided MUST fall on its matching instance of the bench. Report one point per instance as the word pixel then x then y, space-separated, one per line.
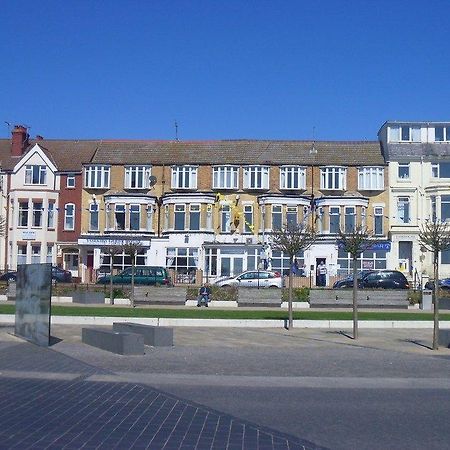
pixel 154 295
pixel 113 341
pixel 264 297
pixel 152 335
pixel 367 298
pixel 444 338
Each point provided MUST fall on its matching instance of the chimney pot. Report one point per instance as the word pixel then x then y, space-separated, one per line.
pixel 39 137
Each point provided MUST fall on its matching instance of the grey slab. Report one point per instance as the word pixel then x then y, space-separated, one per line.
pixel 444 338
pixel 114 341
pixel 154 336
pixel 87 297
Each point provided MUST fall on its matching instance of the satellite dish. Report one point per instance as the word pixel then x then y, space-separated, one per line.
pixel 152 180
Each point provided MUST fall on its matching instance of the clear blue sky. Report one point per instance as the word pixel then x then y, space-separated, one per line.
pixel 222 69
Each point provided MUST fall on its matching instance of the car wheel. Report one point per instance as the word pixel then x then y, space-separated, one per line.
pixel 226 286
pixel 274 286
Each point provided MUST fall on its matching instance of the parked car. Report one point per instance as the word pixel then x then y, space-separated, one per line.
pixel 347 282
pixel 443 284
pixel 142 275
pixel 253 278
pixel 384 279
pixel 58 274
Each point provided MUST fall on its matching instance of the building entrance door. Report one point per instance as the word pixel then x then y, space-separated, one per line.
pixel 231 265
pixel 321 272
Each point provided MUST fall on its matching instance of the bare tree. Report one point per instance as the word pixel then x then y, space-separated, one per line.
pixel 434 236
pixel 355 242
pixel 111 251
pixel 291 239
pixel 132 248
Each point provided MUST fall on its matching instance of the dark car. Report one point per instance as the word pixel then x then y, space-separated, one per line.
pixel 347 282
pixel 142 275
pixel 58 274
pixel 384 279
pixel 443 284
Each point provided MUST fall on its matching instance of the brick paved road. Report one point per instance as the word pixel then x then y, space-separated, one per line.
pixel 47 400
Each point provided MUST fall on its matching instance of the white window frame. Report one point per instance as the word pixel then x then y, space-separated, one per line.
pixel 37 213
pixel 396 133
pixel 404 200
pixel 68 217
pixel 445 133
pixel 97 176
pixel 225 177
pixel 248 213
pixel 137 177
pixel 349 214
pixel 70 181
pixel 30 172
pixel 371 178
pixel 121 209
pixel 334 211
pixel 292 177
pixel 336 174
pixel 51 215
pixel 277 211
pixel 404 165
pixel 23 212
pixel 35 255
pixel 256 177
pixel 134 209
pixel 184 177
pixel 49 257
pixel 291 210
pixel 21 255
pixel 195 208
pixel 94 209
pixel 378 212
pixel 225 219
pixel 179 210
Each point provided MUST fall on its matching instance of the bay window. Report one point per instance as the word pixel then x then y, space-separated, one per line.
pixel 135 217
pixel 37 214
pixel 277 217
pixel 350 219
pixel 23 213
pixel 291 216
pixel 335 219
pixel 119 217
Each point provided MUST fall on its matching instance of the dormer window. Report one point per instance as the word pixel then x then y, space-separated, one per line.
pixel 442 134
pixel 292 177
pixel 35 174
pixel 333 178
pixel 96 177
pixel 404 133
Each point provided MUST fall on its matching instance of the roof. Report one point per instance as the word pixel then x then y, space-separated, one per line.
pixel 238 152
pixel 69 155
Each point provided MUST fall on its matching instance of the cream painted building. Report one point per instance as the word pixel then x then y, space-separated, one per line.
pixel 418 154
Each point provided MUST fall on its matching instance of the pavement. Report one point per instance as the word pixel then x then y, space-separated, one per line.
pixel 228 388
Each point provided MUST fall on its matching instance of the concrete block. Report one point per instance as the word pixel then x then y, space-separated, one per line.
pixel 113 341
pixel 154 336
pixel 444 338
pixel 88 297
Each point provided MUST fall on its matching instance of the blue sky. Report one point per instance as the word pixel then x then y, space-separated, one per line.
pixel 222 69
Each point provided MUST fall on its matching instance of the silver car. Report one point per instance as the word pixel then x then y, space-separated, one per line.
pixel 253 278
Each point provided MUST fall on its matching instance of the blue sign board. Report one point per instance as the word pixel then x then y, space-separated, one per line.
pixel 381 245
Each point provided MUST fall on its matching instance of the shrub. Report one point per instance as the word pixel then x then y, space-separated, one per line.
pixel 228 294
pixel 298 294
pixel 414 297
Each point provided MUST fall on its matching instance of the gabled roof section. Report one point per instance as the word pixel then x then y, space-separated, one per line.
pixel 44 155
pixel 238 152
pixel 66 155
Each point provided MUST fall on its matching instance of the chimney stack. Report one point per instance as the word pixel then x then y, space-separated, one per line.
pixel 39 137
pixel 19 141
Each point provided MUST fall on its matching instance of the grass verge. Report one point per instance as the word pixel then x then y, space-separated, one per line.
pixel 111 311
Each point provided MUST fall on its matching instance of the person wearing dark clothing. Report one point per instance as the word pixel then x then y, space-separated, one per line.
pixel 204 295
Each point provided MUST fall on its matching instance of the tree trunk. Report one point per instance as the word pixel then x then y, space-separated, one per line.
pixel 291 315
pixel 436 303
pixel 132 282
pixel 355 300
pixel 111 293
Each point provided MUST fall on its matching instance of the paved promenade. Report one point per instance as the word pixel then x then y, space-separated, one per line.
pixel 228 388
